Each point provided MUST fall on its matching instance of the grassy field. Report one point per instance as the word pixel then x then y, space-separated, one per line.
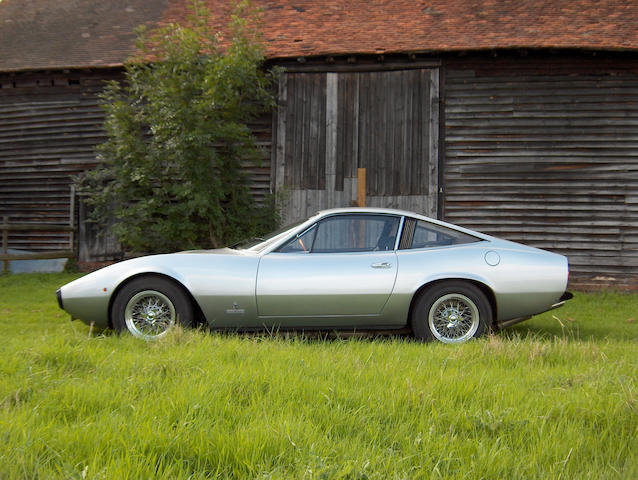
pixel 555 397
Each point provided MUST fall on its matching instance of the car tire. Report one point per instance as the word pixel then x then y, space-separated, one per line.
pixel 148 307
pixel 451 312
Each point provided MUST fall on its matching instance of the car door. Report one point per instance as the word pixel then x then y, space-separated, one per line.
pixel 341 269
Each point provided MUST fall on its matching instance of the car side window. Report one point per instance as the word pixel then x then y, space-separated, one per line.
pixel 346 233
pixel 356 233
pixel 427 235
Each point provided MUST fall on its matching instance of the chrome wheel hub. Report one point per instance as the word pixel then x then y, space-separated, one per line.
pixel 149 314
pixel 453 318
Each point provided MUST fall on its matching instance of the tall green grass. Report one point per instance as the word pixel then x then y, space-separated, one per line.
pixel 555 397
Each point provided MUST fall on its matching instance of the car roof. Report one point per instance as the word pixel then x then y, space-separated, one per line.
pixel 392 211
pixel 374 210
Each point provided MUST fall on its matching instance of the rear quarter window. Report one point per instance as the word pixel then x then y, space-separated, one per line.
pixel 420 234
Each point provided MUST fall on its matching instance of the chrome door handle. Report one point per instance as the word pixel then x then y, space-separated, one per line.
pixel 381 265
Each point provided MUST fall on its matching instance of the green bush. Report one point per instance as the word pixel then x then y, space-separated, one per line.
pixel 171 175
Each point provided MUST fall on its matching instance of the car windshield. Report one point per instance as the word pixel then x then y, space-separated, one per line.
pixel 257 244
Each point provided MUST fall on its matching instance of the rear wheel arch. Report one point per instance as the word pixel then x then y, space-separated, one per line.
pixel 486 290
pixel 199 317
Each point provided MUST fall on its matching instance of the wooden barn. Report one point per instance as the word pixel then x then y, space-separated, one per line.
pixel 516 119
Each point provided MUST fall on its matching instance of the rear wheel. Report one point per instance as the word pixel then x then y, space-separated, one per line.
pixel 451 312
pixel 148 307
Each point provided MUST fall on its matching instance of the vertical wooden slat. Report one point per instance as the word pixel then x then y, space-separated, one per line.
pixel 301 161
pixel 289 149
pixel 5 243
pixel 398 156
pixel 332 118
pixel 311 132
pixel 340 127
pixel 321 136
pixel 433 143
pixel 355 124
pixel 383 130
pixel 406 153
pixel 282 123
pixel 72 219
pixel 364 116
pixel 419 144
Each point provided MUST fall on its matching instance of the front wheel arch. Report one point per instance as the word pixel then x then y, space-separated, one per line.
pixel 486 290
pixel 199 317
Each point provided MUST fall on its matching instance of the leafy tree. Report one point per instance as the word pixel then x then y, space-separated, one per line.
pixel 170 172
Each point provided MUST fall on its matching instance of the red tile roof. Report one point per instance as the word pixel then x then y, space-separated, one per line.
pixel 45 34
pixel 371 26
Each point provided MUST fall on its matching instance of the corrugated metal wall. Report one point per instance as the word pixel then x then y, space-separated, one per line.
pixel 50 124
pixel 546 153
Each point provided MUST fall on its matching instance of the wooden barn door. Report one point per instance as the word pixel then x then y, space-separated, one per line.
pixel 330 124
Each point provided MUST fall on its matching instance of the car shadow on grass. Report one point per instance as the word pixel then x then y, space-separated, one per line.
pixel 536 328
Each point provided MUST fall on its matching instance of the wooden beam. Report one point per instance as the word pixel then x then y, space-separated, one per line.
pixel 17 227
pixel 361 187
pixel 5 257
pixel 368 67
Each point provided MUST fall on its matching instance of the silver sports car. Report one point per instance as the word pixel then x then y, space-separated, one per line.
pixel 349 268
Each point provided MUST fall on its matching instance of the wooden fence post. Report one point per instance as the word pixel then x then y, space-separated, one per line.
pixel 72 220
pixel 5 243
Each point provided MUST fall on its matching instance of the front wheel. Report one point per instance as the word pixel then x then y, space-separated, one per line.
pixel 451 312
pixel 148 307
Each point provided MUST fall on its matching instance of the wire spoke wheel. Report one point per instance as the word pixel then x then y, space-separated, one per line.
pixel 453 318
pixel 149 314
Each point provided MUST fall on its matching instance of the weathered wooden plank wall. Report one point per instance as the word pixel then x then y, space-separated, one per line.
pixel 331 123
pixel 50 123
pixel 49 126
pixel 545 152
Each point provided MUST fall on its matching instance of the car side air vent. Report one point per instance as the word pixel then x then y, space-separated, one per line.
pixel 408 233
